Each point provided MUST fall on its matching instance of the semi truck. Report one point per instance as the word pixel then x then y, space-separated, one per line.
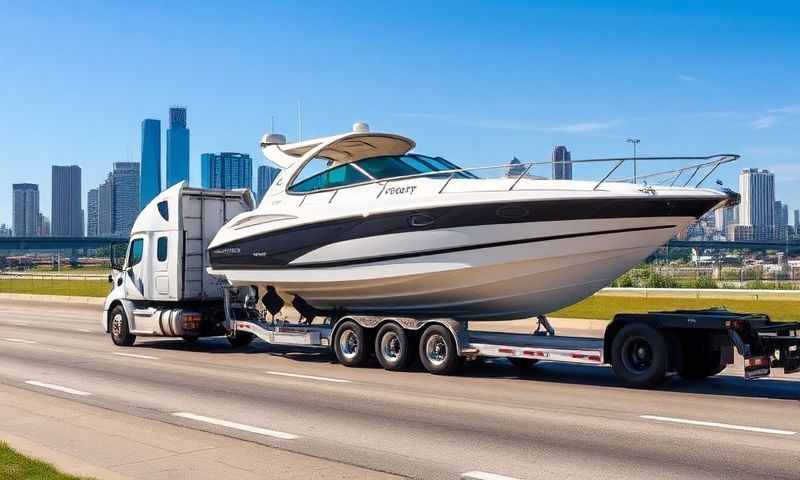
pixel 162 288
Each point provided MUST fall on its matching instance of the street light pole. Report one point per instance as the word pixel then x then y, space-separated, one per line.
pixel 635 142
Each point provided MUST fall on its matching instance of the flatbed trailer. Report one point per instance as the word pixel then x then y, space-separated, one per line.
pixel 643 349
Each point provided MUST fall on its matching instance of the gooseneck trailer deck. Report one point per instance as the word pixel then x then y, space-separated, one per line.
pixel 164 289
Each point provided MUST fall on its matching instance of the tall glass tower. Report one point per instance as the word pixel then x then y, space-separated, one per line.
pixel 266 175
pixel 66 214
pixel 226 170
pixel 150 184
pixel 177 147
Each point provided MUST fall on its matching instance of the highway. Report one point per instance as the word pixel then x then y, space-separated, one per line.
pixel 553 421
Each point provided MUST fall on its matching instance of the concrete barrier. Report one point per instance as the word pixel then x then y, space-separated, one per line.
pixel 27 297
pixel 702 293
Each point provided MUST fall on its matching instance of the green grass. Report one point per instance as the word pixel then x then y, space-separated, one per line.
pixel 603 307
pixel 77 288
pixel 14 466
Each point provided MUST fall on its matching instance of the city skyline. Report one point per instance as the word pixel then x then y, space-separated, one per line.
pixel 618 65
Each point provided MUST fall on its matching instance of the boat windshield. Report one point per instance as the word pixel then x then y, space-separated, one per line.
pixel 390 166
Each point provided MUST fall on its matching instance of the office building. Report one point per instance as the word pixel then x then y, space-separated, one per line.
pixel 125 191
pixel 723 217
pixel 91 213
pixel 105 207
pixel 44 226
pixel 757 206
pixel 5 231
pixel 65 212
pixel 785 215
pixel 797 221
pixel 226 170
pixel 177 147
pixel 266 175
pixel 25 207
pixel 778 212
pixel 150 183
pixel 562 163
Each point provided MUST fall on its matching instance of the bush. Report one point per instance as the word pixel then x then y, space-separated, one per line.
pixel 703 282
pixel 625 281
pixel 655 280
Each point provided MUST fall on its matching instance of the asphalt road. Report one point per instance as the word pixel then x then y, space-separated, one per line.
pixel 551 421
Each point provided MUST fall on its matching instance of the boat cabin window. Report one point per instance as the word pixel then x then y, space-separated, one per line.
pixel 333 178
pixel 389 166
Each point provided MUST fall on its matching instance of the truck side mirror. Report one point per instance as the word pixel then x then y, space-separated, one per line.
pixel 110 278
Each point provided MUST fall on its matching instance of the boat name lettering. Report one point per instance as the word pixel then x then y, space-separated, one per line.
pixel 409 189
pixel 228 251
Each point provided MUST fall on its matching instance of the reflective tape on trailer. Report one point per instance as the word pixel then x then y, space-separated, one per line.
pixel 593 357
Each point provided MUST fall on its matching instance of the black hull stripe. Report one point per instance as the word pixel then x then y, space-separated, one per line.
pixel 278 248
pixel 427 253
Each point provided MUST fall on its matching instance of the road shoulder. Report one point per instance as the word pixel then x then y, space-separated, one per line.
pixel 90 441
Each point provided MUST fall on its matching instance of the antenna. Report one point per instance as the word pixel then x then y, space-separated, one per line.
pixel 299 123
pixel 272 130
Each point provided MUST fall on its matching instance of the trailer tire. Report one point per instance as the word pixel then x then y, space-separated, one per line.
pixel 240 339
pixel 639 355
pixel 350 344
pixel 701 363
pixel 392 347
pixel 119 327
pixel 437 351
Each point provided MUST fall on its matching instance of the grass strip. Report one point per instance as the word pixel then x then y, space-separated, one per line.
pixel 15 466
pixel 76 288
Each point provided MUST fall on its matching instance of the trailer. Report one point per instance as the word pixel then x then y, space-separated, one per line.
pixel 163 289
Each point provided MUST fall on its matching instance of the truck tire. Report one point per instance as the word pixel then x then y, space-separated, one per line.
pixel 118 326
pixel 437 351
pixel 350 344
pixel 392 347
pixel 240 339
pixel 701 362
pixel 639 355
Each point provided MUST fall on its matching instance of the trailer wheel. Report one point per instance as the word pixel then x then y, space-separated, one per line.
pixel 437 351
pixel 350 344
pixel 639 355
pixel 392 347
pixel 240 339
pixel 120 331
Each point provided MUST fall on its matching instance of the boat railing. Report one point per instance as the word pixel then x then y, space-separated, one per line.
pixel 701 168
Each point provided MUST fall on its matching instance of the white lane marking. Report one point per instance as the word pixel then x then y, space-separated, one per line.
pixel 21 324
pixel 478 475
pixel 83 330
pixel 718 425
pixel 57 387
pixel 133 355
pixel 18 340
pixel 310 377
pixel 237 426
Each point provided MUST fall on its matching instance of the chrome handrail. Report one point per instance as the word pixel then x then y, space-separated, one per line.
pixel 712 162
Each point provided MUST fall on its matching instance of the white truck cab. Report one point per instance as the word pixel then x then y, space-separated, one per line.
pixel 162 284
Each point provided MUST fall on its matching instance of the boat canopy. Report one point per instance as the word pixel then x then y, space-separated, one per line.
pixel 341 149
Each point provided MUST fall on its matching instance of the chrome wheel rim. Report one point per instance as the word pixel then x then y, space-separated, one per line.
pixel 436 349
pixel 348 344
pixel 391 347
pixel 116 325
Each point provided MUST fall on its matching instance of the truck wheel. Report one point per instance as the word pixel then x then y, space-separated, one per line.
pixel 523 363
pixel 120 331
pixel 392 347
pixel 437 351
pixel 240 339
pixel 639 355
pixel 701 363
pixel 350 344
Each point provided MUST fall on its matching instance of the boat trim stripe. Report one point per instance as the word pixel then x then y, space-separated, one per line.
pixel 425 253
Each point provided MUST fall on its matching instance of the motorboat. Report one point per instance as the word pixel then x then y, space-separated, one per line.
pixel 360 223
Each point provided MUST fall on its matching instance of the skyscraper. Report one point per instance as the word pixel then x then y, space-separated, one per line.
pixel 105 207
pixel 25 206
pixel 562 163
pixel 150 184
pixel 226 170
pixel 66 215
pixel 757 206
pixel 125 192
pixel 266 175
pixel 44 226
pixel 785 215
pixel 177 147
pixel 797 221
pixel 91 213
pixel 5 231
pixel 778 213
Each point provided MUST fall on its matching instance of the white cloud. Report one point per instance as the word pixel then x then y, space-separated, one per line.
pixel 764 122
pixel 686 78
pixel 786 110
pixel 576 128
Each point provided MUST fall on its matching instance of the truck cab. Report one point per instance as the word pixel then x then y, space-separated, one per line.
pixel 161 287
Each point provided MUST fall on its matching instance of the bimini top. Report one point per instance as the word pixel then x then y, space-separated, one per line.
pixel 344 148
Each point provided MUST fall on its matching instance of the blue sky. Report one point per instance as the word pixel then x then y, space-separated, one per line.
pixel 476 82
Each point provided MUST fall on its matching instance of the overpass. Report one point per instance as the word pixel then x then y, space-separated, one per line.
pixel 58 243
pixel 790 246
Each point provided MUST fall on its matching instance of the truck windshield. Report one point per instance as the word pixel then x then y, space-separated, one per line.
pixel 389 166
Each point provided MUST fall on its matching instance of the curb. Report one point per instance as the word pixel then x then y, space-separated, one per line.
pixel 28 297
